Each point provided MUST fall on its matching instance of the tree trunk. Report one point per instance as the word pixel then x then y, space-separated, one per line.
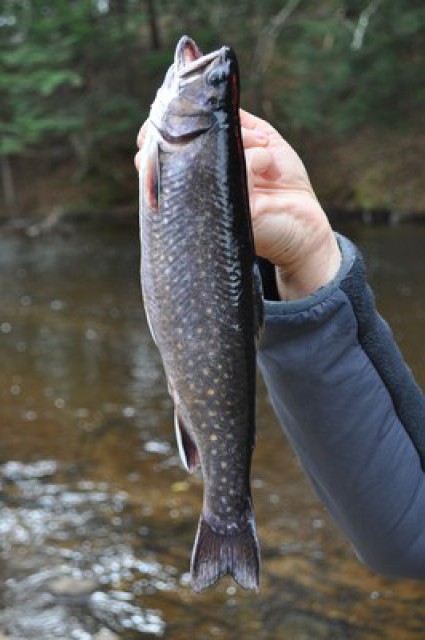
pixel 118 6
pixel 153 25
pixel 9 193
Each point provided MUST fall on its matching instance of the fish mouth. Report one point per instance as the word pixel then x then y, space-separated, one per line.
pixel 194 88
pixel 189 58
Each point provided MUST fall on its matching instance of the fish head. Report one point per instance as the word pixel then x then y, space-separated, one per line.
pixel 198 92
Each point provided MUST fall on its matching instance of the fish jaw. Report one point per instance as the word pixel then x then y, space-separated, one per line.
pixel 196 92
pixel 186 52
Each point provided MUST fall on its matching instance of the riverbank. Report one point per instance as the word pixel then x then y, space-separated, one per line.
pixel 364 176
pixel 61 220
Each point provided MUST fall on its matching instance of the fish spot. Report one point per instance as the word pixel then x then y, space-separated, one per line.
pixel 211 392
pixel 223 465
pixel 213 438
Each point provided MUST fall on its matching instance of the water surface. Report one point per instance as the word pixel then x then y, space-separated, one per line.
pixel 97 517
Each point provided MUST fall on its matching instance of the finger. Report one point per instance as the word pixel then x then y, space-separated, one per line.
pixel 249 121
pixel 258 160
pixel 142 134
pixel 254 138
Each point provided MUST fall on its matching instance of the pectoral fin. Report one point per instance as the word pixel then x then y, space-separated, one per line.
pixel 188 452
pixel 150 175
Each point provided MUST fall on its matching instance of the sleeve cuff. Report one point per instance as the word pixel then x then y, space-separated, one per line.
pixel 275 307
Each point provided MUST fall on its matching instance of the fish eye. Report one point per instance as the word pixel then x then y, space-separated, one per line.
pixel 217 76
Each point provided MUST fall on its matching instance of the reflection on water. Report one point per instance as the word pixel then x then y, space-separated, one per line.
pixel 97 518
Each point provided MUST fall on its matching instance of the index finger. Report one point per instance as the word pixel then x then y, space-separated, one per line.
pixel 249 121
pixel 253 138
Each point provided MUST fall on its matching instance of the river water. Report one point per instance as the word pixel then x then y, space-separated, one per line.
pixel 97 517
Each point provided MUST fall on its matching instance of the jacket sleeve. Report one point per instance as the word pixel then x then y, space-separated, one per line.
pixel 354 414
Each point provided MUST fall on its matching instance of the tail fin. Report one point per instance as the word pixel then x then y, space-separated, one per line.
pixel 216 554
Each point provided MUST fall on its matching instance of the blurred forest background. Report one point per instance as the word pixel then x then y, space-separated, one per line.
pixel 343 80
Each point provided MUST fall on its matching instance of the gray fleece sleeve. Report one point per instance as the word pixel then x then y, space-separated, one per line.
pixel 354 414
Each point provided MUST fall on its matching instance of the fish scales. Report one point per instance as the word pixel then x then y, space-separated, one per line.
pixel 198 285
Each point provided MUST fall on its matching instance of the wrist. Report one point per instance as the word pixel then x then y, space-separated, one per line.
pixel 317 269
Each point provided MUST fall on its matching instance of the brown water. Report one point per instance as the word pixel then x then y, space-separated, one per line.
pixel 97 517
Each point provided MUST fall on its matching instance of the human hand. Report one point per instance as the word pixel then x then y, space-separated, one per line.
pixel 290 227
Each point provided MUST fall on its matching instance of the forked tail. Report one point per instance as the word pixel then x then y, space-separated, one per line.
pixel 218 554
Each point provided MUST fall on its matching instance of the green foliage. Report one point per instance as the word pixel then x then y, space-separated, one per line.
pixel 30 78
pixel 82 73
pixel 342 77
pixel 66 74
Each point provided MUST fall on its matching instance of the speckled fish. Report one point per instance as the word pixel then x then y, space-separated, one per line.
pixel 202 296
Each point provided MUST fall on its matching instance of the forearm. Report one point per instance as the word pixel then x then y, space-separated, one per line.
pixel 354 414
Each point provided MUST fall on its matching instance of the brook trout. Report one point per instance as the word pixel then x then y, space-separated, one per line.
pixel 202 296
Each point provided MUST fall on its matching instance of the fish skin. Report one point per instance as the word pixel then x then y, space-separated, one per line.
pixel 202 296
